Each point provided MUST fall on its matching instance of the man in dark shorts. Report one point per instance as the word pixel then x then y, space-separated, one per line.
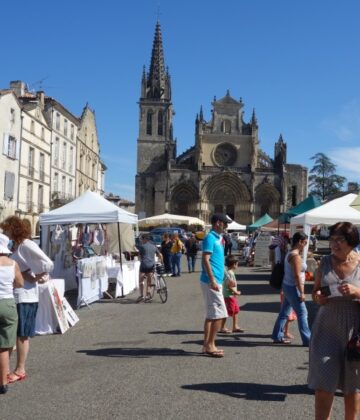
pixel 147 251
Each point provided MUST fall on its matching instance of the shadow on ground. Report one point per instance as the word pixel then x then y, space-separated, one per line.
pixel 250 391
pixel 136 352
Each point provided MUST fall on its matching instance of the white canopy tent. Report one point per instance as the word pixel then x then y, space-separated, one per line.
pixel 334 211
pixel 92 208
pixel 236 226
pixel 168 219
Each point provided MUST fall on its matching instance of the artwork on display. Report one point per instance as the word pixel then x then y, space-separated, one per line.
pixel 58 308
pixel 70 314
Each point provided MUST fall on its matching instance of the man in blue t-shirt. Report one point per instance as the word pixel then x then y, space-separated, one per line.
pixel 211 279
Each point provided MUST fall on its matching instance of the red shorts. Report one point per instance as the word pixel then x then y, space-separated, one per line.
pixel 232 305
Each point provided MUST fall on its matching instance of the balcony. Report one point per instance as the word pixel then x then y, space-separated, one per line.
pixel 31 171
pixel 42 175
pixel 41 208
pixel 59 199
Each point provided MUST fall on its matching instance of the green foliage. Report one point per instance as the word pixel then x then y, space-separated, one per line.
pixel 323 180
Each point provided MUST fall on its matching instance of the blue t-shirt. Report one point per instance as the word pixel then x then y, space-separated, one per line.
pixel 213 243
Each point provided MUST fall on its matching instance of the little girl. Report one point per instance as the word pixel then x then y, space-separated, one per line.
pixel 230 292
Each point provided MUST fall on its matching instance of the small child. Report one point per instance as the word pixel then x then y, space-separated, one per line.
pixel 230 292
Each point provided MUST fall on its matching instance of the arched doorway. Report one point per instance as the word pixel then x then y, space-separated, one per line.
pixel 267 200
pixel 184 200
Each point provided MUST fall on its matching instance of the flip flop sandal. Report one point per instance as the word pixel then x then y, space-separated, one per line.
pixel 18 377
pixel 225 332
pixel 217 354
pixel 283 341
pixel 240 330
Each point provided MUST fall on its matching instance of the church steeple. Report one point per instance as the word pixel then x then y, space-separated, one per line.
pixel 158 81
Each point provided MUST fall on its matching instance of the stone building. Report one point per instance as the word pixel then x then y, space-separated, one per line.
pixel 10 135
pixel 88 153
pixel 225 171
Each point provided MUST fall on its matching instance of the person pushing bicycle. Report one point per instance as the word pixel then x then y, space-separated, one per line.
pixel 147 252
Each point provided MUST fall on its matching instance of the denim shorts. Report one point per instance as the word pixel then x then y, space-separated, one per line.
pixel 27 316
pixel 8 323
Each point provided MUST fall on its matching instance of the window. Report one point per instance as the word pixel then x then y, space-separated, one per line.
pixel 63 185
pixel 40 199
pixel 10 147
pixel 93 175
pixel 160 123
pixel 85 135
pixel 149 123
pixel 32 127
pixel 29 197
pixel 72 131
pixel 31 162
pixel 56 151
pixel 64 153
pixel 42 167
pixel 12 115
pixel 71 187
pixel 42 133
pixel 226 127
pixel 71 157
pixel 92 141
pixel 65 128
pixel 57 121
pixel 9 185
pixel 293 195
pixel 56 182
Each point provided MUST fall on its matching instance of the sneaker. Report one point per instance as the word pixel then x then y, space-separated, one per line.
pixel 148 298
pixel 140 299
pixel 3 389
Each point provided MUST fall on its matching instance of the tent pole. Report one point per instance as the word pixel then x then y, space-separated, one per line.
pixel 118 226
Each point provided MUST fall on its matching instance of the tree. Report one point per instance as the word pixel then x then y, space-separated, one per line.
pixel 323 180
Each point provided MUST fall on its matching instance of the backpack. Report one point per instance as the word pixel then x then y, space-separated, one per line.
pixel 277 275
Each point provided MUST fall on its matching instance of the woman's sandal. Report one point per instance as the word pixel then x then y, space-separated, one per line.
pixel 16 377
pixel 283 341
pixel 225 331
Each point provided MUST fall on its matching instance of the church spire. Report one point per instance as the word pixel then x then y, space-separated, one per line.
pixel 158 76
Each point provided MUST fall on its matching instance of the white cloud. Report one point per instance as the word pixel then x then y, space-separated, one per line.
pixel 347 160
pixel 346 125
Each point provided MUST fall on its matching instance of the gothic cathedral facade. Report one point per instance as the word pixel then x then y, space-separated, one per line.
pixel 225 171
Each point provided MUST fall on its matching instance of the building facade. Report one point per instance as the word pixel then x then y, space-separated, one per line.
pixel 10 135
pixel 225 171
pixel 64 127
pixel 88 153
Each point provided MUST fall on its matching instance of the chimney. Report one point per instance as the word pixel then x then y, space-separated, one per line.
pixel 41 96
pixel 18 87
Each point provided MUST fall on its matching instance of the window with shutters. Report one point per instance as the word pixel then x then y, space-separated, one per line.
pixel 31 162
pixel 10 147
pixel 56 154
pixel 57 121
pixel 42 167
pixel 9 185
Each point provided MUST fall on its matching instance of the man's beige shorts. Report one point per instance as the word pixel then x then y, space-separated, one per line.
pixel 214 302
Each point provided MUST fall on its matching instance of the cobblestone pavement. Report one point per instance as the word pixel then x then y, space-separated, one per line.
pixel 140 361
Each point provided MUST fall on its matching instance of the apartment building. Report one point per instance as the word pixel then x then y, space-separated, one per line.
pixel 64 128
pixel 10 135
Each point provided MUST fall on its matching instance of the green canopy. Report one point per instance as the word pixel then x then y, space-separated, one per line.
pixel 311 202
pixel 260 222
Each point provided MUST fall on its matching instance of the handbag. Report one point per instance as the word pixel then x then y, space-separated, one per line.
pixel 353 347
pixel 277 275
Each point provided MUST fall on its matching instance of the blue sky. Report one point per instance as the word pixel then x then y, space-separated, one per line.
pixel 296 62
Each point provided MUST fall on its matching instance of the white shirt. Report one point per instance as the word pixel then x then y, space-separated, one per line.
pixel 7 275
pixel 30 257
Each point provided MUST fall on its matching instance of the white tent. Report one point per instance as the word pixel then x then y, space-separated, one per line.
pixel 90 207
pixel 337 210
pixel 330 213
pixel 235 226
pixel 168 219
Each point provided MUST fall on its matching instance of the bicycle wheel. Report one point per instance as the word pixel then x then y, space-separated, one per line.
pixel 163 292
pixel 151 289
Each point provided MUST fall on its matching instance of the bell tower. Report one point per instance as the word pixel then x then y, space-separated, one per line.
pixel 156 147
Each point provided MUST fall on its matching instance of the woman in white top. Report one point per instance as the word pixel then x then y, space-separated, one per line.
pixel 294 293
pixel 10 277
pixel 34 266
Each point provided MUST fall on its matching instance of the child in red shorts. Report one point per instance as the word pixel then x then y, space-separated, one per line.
pixel 230 292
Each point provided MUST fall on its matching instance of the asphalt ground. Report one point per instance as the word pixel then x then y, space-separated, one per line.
pixel 142 361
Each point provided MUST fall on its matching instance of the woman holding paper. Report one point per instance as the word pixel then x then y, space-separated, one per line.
pixel 336 290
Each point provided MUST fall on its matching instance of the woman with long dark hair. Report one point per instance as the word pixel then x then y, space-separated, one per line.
pixel 294 293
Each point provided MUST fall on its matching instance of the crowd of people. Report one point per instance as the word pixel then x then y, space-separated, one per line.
pixel 19 295
pixel 337 292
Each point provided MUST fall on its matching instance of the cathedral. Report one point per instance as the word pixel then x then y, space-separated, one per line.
pixel 225 171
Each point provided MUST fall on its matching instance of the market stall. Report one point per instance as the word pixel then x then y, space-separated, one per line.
pixel 67 235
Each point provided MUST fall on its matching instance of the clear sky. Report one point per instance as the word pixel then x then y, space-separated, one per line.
pixel 297 62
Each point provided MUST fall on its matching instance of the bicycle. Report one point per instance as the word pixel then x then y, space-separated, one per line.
pixel 159 283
